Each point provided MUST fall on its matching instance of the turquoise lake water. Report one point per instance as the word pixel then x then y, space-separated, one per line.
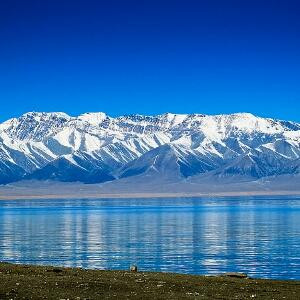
pixel 258 236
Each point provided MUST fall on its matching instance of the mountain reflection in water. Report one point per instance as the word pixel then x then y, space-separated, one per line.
pixel 258 236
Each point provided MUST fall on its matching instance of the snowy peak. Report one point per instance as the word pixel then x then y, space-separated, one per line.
pixel 93 118
pixel 34 125
pixel 39 125
pixel 96 147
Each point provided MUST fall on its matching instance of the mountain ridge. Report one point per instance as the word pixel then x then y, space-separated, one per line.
pixel 95 148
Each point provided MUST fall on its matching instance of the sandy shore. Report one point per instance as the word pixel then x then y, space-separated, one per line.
pixel 144 195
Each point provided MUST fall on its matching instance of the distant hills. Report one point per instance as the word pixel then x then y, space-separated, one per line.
pixel 96 148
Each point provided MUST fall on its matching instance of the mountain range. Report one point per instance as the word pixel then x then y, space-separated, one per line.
pixel 97 148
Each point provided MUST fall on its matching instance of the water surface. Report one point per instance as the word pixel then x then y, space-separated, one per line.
pixel 258 236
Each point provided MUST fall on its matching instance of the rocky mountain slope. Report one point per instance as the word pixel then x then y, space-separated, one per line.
pixel 94 147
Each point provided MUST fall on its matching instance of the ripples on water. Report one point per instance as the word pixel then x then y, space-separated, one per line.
pixel 259 236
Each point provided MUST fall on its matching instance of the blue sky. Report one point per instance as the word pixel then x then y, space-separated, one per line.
pixel 150 57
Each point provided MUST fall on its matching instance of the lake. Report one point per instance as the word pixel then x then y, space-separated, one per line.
pixel 256 235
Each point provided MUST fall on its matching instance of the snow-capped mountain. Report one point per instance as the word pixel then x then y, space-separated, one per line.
pixel 94 147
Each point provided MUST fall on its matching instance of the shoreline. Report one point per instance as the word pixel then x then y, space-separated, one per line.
pixel 49 282
pixel 147 195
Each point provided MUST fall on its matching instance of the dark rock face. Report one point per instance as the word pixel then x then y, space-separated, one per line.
pixel 235 275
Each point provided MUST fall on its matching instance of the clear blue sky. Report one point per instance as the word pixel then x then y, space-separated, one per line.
pixel 149 57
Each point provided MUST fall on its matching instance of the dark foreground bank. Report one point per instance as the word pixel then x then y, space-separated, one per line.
pixel 35 282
